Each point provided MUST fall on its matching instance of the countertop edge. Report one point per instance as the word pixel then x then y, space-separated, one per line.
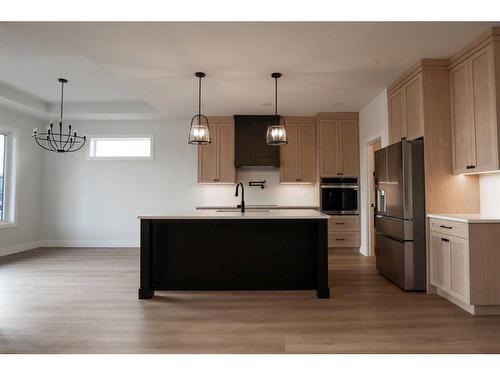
pixel 465 219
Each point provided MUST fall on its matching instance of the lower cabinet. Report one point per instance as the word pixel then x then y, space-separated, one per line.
pixel 465 264
pixel 450 265
pixel 343 231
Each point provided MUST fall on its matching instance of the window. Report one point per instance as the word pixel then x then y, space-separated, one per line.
pixel 2 168
pixel 115 148
pixel 8 173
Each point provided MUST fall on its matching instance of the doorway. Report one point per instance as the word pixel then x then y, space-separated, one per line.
pixel 371 147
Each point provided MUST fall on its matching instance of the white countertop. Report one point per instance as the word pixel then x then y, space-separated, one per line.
pixel 249 214
pixel 467 218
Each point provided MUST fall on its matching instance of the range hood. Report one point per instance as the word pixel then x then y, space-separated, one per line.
pixel 251 149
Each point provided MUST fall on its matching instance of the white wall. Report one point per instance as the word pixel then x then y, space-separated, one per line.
pixel 489 185
pixel 373 124
pixel 28 211
pixel 96 203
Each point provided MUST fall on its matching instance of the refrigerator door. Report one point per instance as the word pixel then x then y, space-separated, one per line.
pixel 380 177
pixel 399 229
pixel 394 261
pixel 394 186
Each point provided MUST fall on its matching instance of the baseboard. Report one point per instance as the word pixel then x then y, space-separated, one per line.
pixel 97 243
pixel 20 248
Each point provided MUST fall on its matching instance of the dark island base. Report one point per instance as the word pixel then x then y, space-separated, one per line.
pixel 231 255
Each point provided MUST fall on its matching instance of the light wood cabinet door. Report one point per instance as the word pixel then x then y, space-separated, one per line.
pixel 207 159
pixel 414 108
pixel 482 78
pixel 463 138
pixel 289 155
pixel 329 148
pixel 397 123
pixel 440 260
pixel 307 152
pixel 225 150
pixel 459 268
pixel 216 160
pixel 349 147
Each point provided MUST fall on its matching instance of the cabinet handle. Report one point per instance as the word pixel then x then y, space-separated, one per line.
pixel 445 240
pixel 446 227
pixel 340 239
pixel 470 167
pixel 339 223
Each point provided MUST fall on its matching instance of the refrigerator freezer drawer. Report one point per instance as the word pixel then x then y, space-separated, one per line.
pixel 394 261
pixel 394 227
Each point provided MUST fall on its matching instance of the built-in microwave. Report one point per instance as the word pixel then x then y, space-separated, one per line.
pixel 340 195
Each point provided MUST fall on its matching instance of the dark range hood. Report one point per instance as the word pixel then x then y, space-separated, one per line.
pixel 251 149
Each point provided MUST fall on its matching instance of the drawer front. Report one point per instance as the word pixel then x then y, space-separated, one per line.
pixel 343 239
pixel 452 228
pixel 344 223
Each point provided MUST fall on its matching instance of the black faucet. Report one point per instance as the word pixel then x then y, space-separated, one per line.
pixel 242 205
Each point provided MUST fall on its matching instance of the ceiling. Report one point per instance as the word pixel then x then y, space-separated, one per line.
pixel 335 66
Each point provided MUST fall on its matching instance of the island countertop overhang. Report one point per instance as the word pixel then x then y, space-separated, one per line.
pixel 236 215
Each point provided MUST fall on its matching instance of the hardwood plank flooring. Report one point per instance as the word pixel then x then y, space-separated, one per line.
pixel 85 301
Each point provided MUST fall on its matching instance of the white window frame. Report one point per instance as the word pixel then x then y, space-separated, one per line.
pixel 119 136
pixel 11 173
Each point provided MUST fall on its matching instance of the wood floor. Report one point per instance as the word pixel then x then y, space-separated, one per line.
pixel 85 301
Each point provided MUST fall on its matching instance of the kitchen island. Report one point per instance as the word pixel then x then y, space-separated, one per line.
pixel 230 250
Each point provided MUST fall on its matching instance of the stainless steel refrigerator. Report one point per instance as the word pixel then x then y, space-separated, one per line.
pixel 400 214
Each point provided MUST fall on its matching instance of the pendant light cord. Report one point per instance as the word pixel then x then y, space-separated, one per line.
pixel 199 97
pixel 276 96
pixel 62 98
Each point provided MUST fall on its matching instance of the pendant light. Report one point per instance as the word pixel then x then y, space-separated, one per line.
pixel 276 130
pixel 199 133
pixel 59 141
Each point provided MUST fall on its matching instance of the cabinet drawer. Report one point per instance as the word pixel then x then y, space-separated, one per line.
pixel 343 239
pixel 452 228
pixel 344 223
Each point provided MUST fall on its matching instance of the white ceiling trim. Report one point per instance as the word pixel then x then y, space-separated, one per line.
pixel 110 110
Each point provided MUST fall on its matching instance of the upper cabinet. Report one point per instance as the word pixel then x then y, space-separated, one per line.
pixel 216 160
pixel 338 144
pixel 419 106
pixel 406 112
pixel 474 83
pixel 298 157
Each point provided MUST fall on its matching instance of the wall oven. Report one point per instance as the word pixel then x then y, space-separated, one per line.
pixel 339 195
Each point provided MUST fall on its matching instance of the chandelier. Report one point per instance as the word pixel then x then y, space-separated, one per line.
pixel 59 141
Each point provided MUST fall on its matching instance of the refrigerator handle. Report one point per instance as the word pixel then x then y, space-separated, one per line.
pixel 381 202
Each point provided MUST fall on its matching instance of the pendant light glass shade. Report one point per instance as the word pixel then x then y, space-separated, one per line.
pixel 276 134
pixel 276 129
pixel 199 132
